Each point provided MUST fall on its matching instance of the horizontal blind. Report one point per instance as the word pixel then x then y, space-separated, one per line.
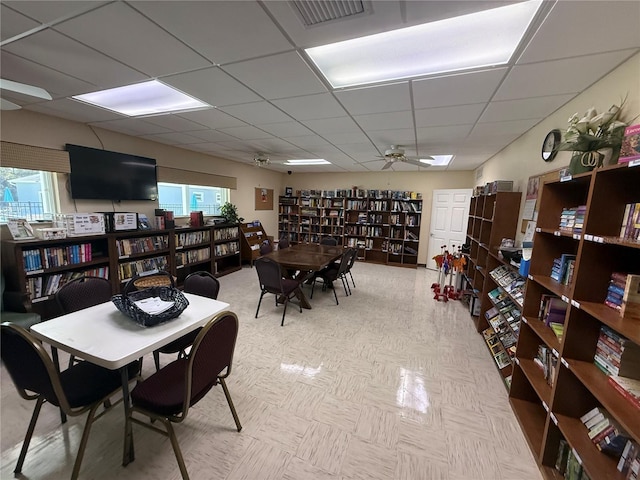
pixel 188 177
pixel 29 157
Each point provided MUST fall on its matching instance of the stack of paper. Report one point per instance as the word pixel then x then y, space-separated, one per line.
pixel 153 305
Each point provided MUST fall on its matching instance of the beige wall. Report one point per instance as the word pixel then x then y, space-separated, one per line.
pixel 522 159
pixel 22 126
pixel 423 182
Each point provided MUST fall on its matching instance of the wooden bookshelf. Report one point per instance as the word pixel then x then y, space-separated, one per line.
pixel 549 414
pixel 115 256
pixel 252 235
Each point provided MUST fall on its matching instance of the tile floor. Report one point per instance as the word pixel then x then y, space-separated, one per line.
pixel 389 384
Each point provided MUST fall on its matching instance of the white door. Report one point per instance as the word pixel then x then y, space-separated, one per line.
pixel 449 216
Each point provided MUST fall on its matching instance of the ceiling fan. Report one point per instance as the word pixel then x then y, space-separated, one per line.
pixel 22 88
pixel 261 159
pixel 396 154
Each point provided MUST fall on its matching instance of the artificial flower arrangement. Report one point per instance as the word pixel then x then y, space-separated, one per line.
pixel 595 138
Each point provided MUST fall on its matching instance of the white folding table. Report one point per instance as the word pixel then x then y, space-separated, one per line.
pixel 103 335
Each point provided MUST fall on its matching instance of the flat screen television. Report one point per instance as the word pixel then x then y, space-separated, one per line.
pixel 104 175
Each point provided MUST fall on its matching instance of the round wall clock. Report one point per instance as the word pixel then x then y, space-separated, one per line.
pixel 550 145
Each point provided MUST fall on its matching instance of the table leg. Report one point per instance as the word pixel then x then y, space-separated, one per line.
pixel 128 455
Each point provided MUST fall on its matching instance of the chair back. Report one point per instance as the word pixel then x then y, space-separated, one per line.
pixel 329 241
pixel 203 284
pixel 83 292
pixel 29 365
pixel 211 355
pixel 265 247
pixel 283 243
pixel 269 274
pixel 346 260
pixel 354 255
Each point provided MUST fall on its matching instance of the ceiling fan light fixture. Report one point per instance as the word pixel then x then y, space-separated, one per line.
pixel 261 160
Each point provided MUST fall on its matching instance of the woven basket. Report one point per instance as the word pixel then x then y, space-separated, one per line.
pixel 161 285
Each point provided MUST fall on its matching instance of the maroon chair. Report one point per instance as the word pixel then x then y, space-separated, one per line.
pixel 333 273
pixel 273 281
pixel 167 395
pixel 81 388
pixel 199 283
pixel 283 243
pixel 266 247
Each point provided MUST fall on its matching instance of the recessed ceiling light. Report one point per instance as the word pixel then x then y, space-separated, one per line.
pixel 146 98
pixel 308 161
pixel 480 39
pixel 438 160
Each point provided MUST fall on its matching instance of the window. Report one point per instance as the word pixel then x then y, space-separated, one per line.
pixel 182 199
pixel 28 194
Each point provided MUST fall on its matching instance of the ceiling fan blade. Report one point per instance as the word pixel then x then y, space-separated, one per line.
pixel 387 165
pixel 7 105
pixel 30 90
pixel 417 163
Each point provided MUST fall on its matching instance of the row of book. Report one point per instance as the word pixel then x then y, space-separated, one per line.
pixel 131 246
pixel 547 362
pixel 505 307
pixel 630 228
pixel 562 269
pixel 572 219
pixel 31 260
pixel 186 239
pixel 568 464
pixel 227 248
pixel 44 286
pixel 552 312
pixel 193 256
pixel 605 432
pixel 623 294
pixel 617 355
pixel 227 233
pixel 511 281
pixel 129 269
pixel 360 193
pixel 503 330
pixel 500 356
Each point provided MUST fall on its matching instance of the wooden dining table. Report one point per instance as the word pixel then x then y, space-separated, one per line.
pixel 306 259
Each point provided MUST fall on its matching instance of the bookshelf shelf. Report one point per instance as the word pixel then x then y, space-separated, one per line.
pixel 579 385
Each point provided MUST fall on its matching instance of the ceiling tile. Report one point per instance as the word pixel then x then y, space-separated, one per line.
pixel 256 113
pixel 537 107
pixel 402 136
pixel 174 122
pixel 212 118
pixel 46 11
pixel 443 116
pixel 338 138
pixel 311 107
pixel 173 138
pixel 212 86
pixel 332 125
pixel 218 30
pixel 382 121
pixel 58 52
pixel 12 23
pixel 245 133
pixel 575 20
pixel 307 141
pixel 125 35
pixel 496 129
pixel 438 134
pixel 285 129
pixel 74 110
pixel 131 126
pixel 378 99
pixel 458 89
pixel 572 75
pixel 277 76
pixel 210 135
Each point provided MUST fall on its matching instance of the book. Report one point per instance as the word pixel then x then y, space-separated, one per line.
pixel 630 307
pixel 629 388
pixel 630 148
pixel 561 459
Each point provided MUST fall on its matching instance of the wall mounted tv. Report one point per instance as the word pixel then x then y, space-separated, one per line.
pixel 104 175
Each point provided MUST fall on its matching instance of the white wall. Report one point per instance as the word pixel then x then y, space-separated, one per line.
pixel 522 159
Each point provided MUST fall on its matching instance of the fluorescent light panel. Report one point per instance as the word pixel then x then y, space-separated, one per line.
pixel 145 98
pixel 438 160
pixel 308 161
pixel 481 39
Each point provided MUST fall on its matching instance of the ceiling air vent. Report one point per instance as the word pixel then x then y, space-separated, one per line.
pixel 314 11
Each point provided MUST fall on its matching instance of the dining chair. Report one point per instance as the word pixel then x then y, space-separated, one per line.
pixel 80 293
pixel 81 388
pixel 352 261
pixel 199 283
pixel 333 273
pixel 283 243
pixel 331 241
pixel 266 247
pixel 167 395
pixel 273 281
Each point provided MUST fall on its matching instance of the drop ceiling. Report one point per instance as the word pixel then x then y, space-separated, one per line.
pixel 247 60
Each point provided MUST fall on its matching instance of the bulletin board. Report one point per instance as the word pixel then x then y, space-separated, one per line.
pixel 532 198
pixel 264 198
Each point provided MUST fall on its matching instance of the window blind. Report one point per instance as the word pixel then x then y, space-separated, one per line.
pixel 188 177
pixel 29 157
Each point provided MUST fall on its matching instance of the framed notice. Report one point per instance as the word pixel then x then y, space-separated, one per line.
pixel 264 199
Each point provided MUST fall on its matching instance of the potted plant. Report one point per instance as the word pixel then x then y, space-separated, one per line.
pixel 230 213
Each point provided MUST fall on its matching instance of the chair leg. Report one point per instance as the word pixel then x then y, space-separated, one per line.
pixel 351 275
pixel 259 302
pixel 284 312
pixel 335 295
pixel 156 359
pixel 83 442
pixel 345 287
pixel 176 449
pixel 313 284
pixel 345 284
pixel 230 402
pixel 28 435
